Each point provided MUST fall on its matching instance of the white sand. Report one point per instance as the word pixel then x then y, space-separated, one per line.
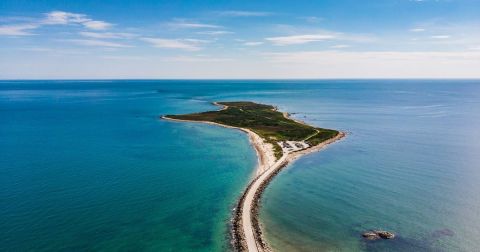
pixel 267 166
pixel 248 229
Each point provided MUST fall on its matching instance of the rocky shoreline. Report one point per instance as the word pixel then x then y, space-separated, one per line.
pixel 237 232
pixel 256 207
pixel 238 238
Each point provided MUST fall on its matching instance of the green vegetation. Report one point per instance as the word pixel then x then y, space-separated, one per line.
pixel 264 120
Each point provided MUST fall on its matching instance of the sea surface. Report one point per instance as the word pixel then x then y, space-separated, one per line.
pixel 89 166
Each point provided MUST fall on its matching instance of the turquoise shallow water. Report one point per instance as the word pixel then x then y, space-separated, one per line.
pixel 87 165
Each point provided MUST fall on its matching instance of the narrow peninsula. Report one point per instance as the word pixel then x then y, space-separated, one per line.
pixel 278 140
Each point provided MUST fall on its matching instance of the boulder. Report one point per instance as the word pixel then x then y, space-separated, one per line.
pixel 385 234
pixel 370 235
pixel 377 234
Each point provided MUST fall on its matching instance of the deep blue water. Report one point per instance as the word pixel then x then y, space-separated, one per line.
pixel 87 165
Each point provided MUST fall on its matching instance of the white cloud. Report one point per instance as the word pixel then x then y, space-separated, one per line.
pixel 107 35
pixel 53 18
pixel 17 30
pixel 299 39
pixel 253 43
pixel 110 57
pixel 239 13
pixel 182 24
pixel 65 18
pixel 197 41
pixel 440 37
pixel 417 30
pixel 309 34
pixel 94 42
pixel 199 59
pixel 62 18
pixel 339 46
pixel 215 32
pixel 97 25
pixel 187 45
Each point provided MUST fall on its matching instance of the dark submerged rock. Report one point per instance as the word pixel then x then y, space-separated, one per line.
pixel 377 234
pixel 386 234
pixel 370 235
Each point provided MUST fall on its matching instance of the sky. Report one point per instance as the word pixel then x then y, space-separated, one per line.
pixel 271 39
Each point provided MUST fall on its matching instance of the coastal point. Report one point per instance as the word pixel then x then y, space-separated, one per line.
pixel 278 140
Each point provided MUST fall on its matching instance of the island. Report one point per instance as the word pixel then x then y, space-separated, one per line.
pixel 278 140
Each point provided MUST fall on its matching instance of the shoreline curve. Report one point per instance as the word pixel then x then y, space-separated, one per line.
pixel 246 231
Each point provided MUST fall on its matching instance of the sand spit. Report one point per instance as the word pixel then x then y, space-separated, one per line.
pixel 246 230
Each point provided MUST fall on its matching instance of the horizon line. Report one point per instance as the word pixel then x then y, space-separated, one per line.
pixel 234 79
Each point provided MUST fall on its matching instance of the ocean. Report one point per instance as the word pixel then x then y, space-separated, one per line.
pixel 89 166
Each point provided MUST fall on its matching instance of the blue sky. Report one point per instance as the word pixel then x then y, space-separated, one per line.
pixel 240 39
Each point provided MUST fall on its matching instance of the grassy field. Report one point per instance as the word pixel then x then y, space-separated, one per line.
pixel 264 120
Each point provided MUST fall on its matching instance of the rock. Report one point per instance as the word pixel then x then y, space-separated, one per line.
pixel 377 234
pixel 385 234
pixel 370 235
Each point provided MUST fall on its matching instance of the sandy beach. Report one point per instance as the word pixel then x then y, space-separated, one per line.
pixel 246 229
pixel 252 232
